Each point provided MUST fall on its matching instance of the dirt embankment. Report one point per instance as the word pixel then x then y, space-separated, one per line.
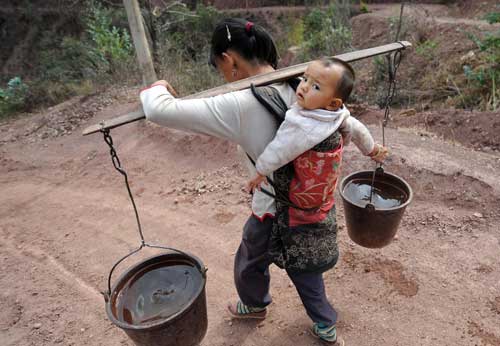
pixel 426 77
pixel 474 129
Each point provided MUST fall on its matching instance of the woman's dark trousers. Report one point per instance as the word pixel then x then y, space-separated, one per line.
pixel 251 275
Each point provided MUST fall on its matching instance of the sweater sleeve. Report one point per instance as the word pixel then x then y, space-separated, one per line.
pixel 353 129
pixel 289 143
pixel 216 116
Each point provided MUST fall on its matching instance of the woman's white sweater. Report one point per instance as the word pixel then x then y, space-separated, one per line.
pixel 236 116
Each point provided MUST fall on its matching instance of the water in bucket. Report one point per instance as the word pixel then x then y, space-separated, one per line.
pixel 158 293
pixel 383 196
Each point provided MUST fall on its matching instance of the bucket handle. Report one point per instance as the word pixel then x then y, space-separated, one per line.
pixel 107 294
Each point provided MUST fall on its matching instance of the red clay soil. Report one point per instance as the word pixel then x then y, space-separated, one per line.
pixel 65 219
pixel 474 129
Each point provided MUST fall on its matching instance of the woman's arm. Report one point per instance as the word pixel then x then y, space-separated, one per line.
pixel 216 116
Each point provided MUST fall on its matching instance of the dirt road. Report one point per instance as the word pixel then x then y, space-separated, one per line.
pixel 437 14
pixel 65 219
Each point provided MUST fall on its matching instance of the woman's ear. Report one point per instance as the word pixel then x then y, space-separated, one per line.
pixel 228 59
pixel 335 104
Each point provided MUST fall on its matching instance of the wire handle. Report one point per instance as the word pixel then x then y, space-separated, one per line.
pixel 107 294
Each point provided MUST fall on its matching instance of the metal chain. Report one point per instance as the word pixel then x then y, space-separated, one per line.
pixel 117 164
pixel 393 63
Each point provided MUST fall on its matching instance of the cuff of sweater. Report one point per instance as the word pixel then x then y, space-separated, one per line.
pixel 375 151
pixel 261 170
pixel 150 87
pixel 370 151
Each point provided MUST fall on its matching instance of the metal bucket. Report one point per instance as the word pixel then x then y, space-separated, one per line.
pixel 185 326
pixel 368 225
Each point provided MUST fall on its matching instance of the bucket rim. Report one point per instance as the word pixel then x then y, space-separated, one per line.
pixel 349 177
pixel 138 266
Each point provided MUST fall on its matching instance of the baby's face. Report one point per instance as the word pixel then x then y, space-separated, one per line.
pixel 318 86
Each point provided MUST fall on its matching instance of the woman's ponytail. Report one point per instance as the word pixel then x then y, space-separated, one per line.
pixel 249 40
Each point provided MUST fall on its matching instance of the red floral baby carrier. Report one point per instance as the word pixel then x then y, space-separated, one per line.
pixel 313 185
pixel 304 235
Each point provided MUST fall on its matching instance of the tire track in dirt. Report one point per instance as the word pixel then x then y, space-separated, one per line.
pixel 64 274
pixel 52 309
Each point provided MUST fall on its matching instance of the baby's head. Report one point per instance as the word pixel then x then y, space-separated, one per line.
pixel 327 84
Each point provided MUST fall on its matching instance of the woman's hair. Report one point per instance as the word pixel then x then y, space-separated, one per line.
pixel 249 40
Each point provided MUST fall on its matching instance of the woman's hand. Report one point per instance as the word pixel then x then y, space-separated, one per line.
pixel 255 183
pixel 166 85
pixel 379 153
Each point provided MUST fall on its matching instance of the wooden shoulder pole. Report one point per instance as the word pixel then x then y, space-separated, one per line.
pixel 263 79
pixel 140 41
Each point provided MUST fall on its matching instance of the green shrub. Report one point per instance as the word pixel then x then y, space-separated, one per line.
pixel 426 49
pixel 484 75
pixel 363 8
pixel 182 46
pixel 492 17
pixel 489 44
pixel 327 32
pixel 113 44
pixel 71 60
pixel 97 54
pixel 12 98
pixel 296 36
pixel 185 32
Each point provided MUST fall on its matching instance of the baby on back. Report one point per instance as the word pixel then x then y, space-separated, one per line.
pixel 319 112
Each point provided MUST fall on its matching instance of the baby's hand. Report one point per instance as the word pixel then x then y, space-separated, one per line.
pixel 379 153
pixel 166 85
pixel 255 183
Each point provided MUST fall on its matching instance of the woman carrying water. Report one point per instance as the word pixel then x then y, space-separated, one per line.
pixel 240 49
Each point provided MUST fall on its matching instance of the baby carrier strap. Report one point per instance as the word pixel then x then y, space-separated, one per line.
pixel 271 99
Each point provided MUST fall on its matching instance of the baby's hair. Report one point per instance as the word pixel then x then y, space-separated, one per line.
pixel 249 40
pixel 346 82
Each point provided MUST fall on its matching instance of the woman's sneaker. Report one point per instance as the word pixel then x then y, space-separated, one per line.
pixel 327 334
pixel 240 310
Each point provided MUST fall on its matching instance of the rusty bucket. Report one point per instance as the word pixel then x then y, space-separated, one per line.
pixel 161 301
pixel 374 203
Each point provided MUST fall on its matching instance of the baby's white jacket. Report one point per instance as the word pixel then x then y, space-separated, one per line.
pixel 303 129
